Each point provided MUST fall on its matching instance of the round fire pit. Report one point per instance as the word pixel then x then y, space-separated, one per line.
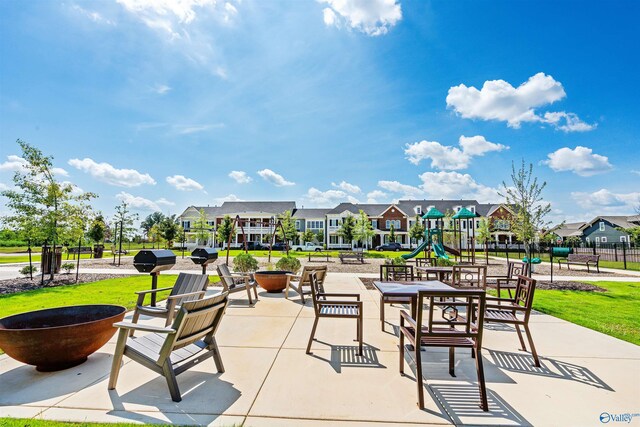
pixel 58 338
pixel 272 281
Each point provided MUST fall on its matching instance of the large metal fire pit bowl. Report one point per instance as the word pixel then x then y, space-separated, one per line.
pixel 58 338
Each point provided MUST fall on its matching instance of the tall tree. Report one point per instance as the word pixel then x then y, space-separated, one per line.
pixel 525 196
pixel 483 234
pixel 150 221
pixel 96 229
pixel 224 230
pixel 170 229
pixel 320 236
pixel 201 227
pixel 417 230
pixel 42 208
pixel 392 233
pixel 363 230
pixel 346 230
pixel 289 225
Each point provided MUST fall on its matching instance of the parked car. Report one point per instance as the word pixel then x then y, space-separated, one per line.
pixel 255 246
pixel 279 246
pixel 307 247
pixel 394 246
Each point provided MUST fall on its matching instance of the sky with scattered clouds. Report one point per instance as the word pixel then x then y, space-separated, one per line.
pixel 170 103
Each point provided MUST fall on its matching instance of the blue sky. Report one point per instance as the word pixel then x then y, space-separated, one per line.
pixel 167 104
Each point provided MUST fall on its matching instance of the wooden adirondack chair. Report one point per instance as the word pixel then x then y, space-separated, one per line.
pixel 169 351
pixel 188 287
pixel 235 282
pixel 298 282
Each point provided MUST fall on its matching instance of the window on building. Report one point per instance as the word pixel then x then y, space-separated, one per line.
pixel 333 240
pixel 186 225
pixel 601 225
pixel 211 223
pixel 472 209
pixel 315 224
pixel 603 240
pixel 388 224
pixel 298 224
pixel 374 223
pixel 623 239
pixel 464 225
pixel 418 210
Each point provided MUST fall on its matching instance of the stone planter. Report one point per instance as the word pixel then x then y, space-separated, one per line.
pixel 58 338
pixel 272 281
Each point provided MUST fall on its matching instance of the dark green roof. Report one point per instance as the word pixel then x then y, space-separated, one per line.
pixel 433 214
pixel 464 213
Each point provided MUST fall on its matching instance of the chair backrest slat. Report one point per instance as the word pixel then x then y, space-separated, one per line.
pixel 188 283
pixel 469 276
pixel 316 289
pixel 320 270
pixel 525 289
pixel 515 269
pixel 224 273
pixel 396 272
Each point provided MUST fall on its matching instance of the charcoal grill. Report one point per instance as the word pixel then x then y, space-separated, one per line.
pixel 153 261
pixel 204 257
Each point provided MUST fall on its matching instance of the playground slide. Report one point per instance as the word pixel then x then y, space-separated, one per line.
pixel 439 251
pixel 452 251
pixel 421 247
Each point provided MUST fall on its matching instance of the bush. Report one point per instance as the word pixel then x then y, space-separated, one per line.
pixel 67 267
pixel 288 263
pixel 444 262
pixel 27 270
pixel 12 243
pixel 395 261
pixel 245 263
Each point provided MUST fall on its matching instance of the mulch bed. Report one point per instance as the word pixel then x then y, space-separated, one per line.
pixel 21 284
pixel 546 285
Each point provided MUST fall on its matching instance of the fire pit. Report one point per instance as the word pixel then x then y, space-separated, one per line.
pixel 272 281
pixel 58 338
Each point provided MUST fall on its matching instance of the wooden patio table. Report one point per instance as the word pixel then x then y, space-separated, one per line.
pixel 410 290
pixel 443 272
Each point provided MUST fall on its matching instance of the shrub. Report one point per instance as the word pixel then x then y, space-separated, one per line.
pixel 245 263
pixel 444 262
pixel 27 270
pixel 288 263
pixel 67 267
pixel 395 261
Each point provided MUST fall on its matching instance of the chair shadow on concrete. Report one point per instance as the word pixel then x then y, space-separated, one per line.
pixel 460 402
pixel 346 356
pixel 523 363
pixel 197 388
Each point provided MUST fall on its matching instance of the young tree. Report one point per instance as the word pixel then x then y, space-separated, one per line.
pixel 363 230
pixel 201 227
pixel 320 236
pixel 224 230
pixel 308 236
pixel 96 229
pixel 289 226
pixel 417 230
pixel 150 221
pixel 170 229
pixel 42 208
pixel 483 234
pixel 392 233
pixel 346 229
pixel 154 234
pixel 124 219
pixel 572 241
pixel 525 196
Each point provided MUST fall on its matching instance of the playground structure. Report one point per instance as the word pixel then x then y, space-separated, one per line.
pixel 433 240
pixel 272 223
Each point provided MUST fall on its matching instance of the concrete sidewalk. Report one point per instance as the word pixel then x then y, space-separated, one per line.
pixel 269 380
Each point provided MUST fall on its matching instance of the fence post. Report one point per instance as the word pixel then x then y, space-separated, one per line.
pixel 624 255
pixel 594 248
pixel 615 251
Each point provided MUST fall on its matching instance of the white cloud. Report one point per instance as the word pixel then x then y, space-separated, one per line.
pixel 183 183
pixel 161 89
pixel 165 14
pixel 375 196
pixel 451 158
pixel 455 185
pixel 345 186
pixel 274 178
pixel 604 202
pixel 189 129
pixel 140 203
pixel 580 161
pixel 16 163
pixel 92 15
pixel 75 190
pixel 498 100
pixel 408 191
pixel 328 198
pixel 240 177
pixel 372 17
pixel 107 173
pixel 228 198
pixel 635 172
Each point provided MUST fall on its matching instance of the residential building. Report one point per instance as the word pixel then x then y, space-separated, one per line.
pixel 608 229
pixel 311 219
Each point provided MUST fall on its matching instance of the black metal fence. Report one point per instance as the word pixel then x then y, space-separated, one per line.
pixel 618 252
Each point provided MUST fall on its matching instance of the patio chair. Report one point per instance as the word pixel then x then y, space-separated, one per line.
pixel 450 329
pixel 469 276
pixel 169 351
pixel 509 280
pixel 236 282
pixel 188 287
pixel 425 262
pixel 506 310
pixel 298 282
pixel 337 308
pixel 392 273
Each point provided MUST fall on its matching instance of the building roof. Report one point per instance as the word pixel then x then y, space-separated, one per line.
pixel 371 209
pixel 623 221
pixel 311 213
pixel 210 211
pixel 568 229
pixel 445 205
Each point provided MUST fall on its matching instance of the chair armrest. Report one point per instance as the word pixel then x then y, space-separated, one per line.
pixel 145 328
pixel 341 302
pixel 514 307
pixel 406 316
pixel 235 277
pixel 172 297
pixel 497 277
pixel 333 294
pixel 492 298
pixel 151 291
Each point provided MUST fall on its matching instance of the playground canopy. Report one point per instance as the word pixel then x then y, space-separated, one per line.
pixel 433 214
pixel 464 213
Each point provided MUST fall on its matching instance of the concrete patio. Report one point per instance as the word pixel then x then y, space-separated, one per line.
pixel 269 380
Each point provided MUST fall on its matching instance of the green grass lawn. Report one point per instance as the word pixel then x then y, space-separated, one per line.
pixel 25 422
pixel 613 313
